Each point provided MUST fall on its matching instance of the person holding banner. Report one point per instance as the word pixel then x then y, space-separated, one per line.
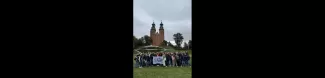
pixel 151 59
pixel 164 59
pixel 157 60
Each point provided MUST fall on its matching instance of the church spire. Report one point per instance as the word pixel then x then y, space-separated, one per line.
pixel 161 25
pixel 153 26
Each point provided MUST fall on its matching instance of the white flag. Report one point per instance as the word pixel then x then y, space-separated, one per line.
pixel 157 60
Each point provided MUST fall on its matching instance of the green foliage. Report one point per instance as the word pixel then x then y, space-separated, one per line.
pixel 134 41
pixel 143 41
pixel 185 46
pixel 170 45
pixel 190 44
pixel 169 49
pixel 178 39
pixel 147 40
pixel 164 43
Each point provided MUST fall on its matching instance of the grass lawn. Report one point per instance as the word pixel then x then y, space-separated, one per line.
pixel 163 72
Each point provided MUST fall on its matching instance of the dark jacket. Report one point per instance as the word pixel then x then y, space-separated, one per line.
pixel 147 57
pixel 151 56
pixel 180 56
pixel 187 57
pixel 168 57
pixel 137 58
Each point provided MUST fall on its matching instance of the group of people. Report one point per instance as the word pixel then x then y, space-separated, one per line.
pixel 170 59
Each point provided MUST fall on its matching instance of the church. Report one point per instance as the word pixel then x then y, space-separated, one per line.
pixel 157 37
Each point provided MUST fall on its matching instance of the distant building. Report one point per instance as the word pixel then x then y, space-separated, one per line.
pixel 157 37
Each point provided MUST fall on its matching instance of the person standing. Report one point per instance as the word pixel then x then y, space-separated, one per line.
pixel 178 63
pixel 188 58
pixel 136 60
pixel 139 58
pixel 164 59
pixel 151 59
pixel 144 60
pixel 180 60
pixel 184 59
pixel 141 61
pixel 168 59
pixel 173 60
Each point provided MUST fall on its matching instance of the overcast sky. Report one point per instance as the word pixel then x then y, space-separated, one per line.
pixel 175 15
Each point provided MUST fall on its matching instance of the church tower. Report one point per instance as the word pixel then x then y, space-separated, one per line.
pixel 153 33
pixel 161 33
pixel 157 37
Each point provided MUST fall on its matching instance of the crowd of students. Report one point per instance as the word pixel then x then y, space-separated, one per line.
pixel 170 59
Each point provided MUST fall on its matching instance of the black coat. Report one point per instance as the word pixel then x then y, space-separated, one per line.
pixel 137 58
pixel 151 56
pixel 180 56
pixel 187 57
pixel 168 57
pixel 147 57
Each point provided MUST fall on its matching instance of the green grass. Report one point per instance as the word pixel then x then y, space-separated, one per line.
pixel 163 72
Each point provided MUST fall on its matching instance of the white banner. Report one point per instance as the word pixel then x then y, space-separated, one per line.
pixel 157 60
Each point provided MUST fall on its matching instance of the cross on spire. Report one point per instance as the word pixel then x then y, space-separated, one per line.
pixel 161 26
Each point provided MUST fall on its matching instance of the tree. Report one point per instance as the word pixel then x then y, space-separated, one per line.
pixel 134 41
pixel 190 44
pixel 164 43
pixel 185 46
pixel 178 39
pixel 147 40
pixel 140 42
pixel 170 44
pixel 143 41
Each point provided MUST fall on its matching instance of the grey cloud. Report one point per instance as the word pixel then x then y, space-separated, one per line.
pixel 176 16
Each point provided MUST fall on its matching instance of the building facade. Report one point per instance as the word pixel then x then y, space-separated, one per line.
pixel 157 37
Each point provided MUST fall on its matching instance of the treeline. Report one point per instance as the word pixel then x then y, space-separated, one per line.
pixel 146 40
